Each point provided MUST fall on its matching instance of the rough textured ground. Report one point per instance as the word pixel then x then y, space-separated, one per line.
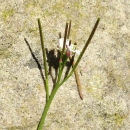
pixel 104 70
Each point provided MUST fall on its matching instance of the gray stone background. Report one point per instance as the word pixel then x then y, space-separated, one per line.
pixel 104 69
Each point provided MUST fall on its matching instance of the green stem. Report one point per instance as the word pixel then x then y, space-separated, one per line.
pixel 47 106
pixel 44 60
pixel 61 55
pixel 64 62
pixel 64 43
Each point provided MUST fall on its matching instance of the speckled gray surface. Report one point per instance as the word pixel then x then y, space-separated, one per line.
pixel 104 69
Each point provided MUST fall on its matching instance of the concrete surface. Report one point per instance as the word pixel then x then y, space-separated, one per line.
pixel 104 70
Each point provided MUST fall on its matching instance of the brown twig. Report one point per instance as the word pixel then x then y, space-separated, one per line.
pixel 69 27
pixel 78 82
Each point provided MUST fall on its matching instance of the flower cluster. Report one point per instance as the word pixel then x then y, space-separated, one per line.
pixel 70 49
